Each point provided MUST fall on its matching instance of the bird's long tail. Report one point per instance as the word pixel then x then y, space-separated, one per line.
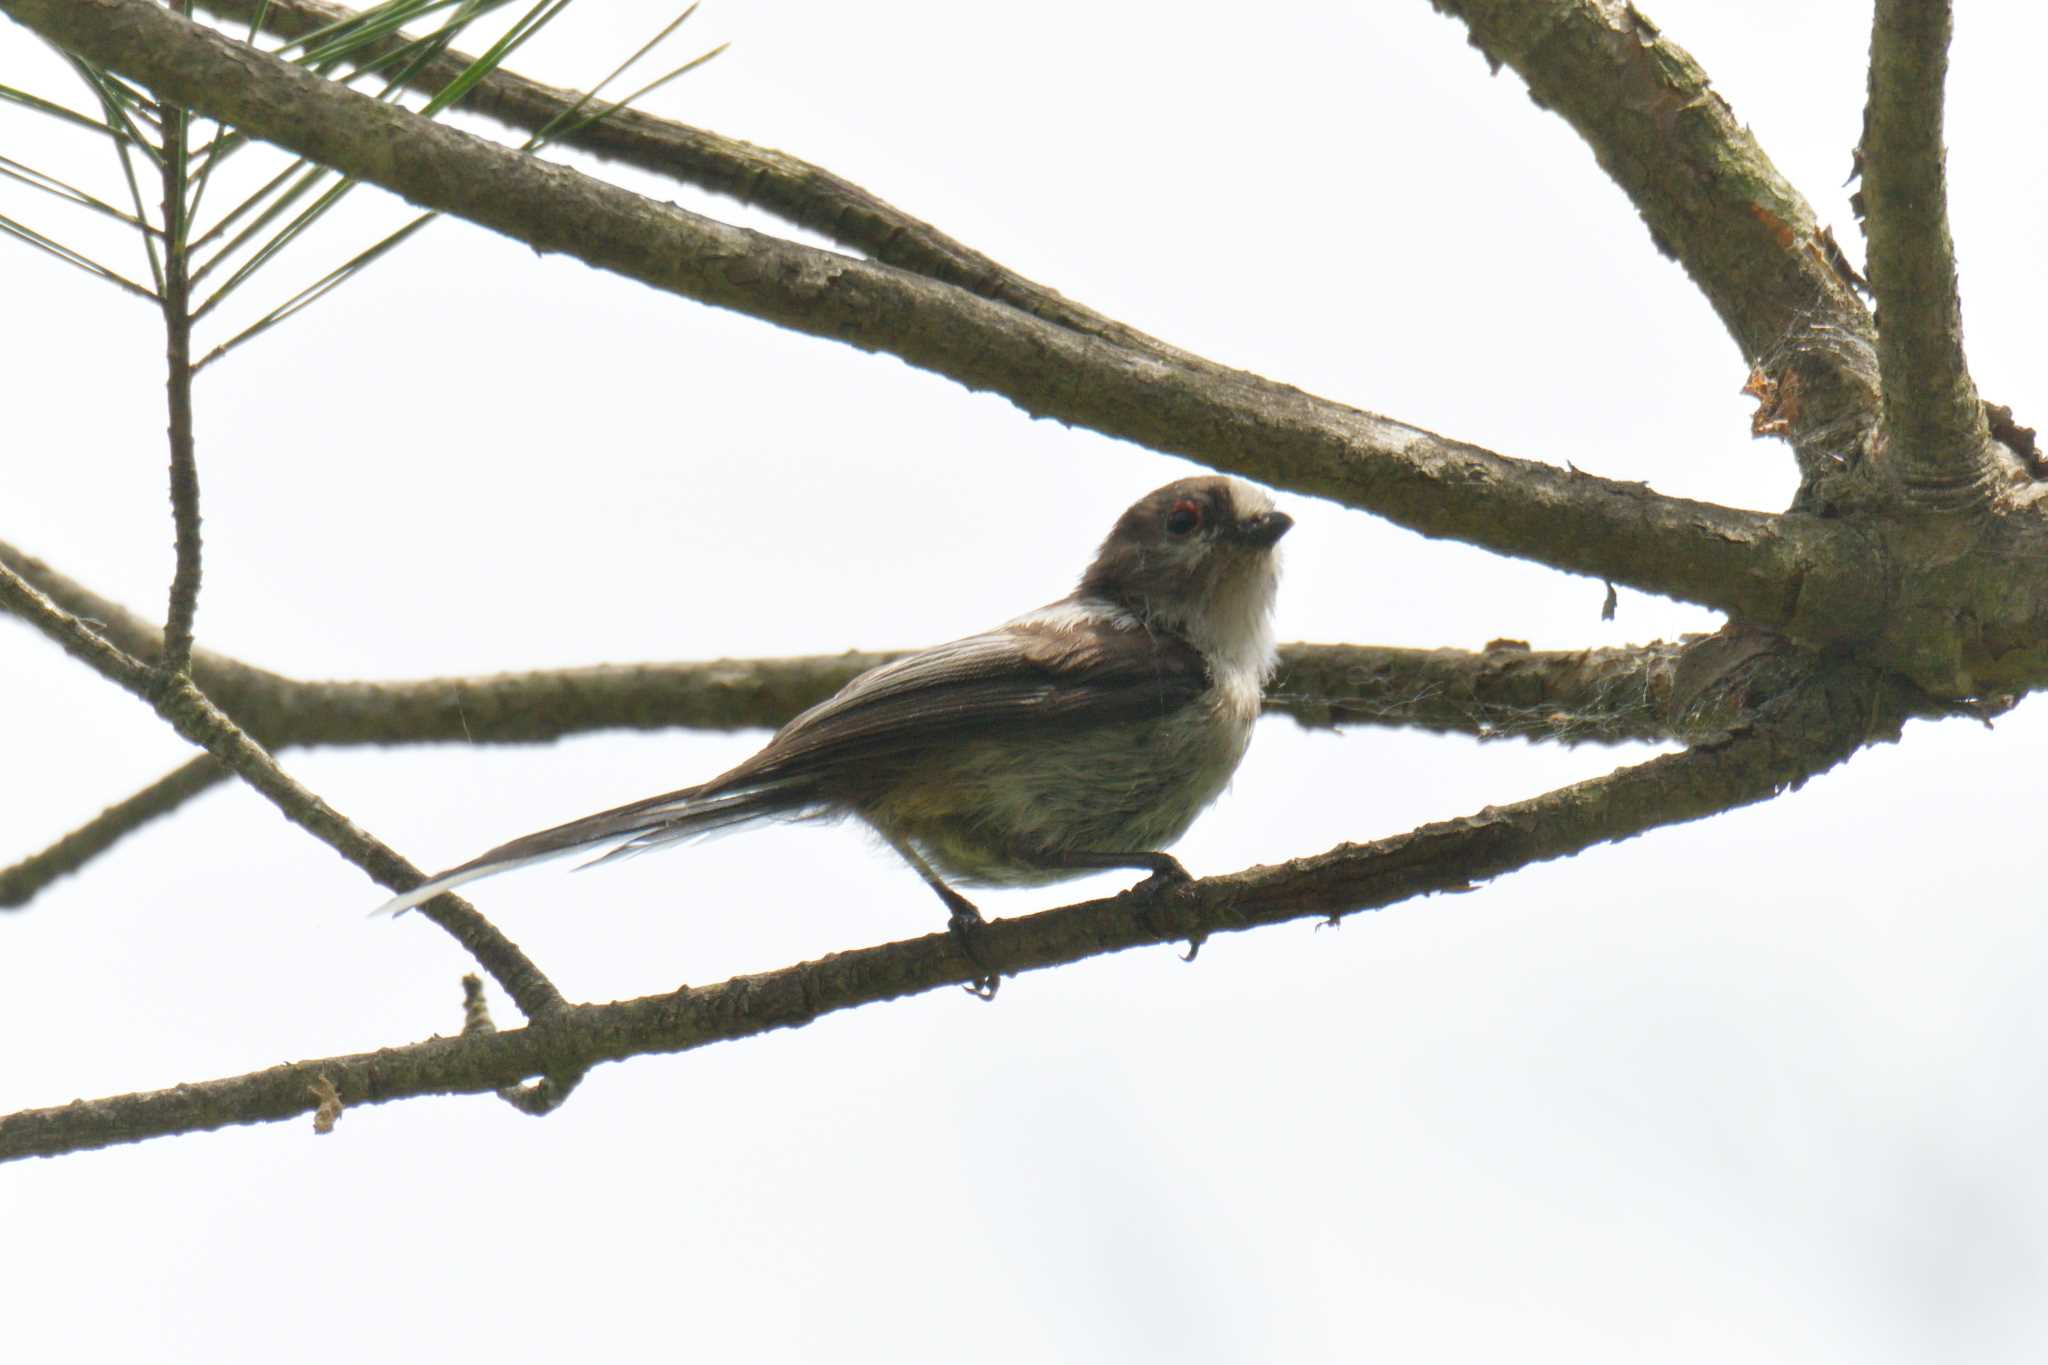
pixel 629 830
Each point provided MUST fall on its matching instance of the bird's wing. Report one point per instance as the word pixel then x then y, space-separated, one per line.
pixel 1045 676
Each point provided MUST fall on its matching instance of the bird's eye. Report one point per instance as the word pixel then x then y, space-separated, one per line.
pixel 1186 516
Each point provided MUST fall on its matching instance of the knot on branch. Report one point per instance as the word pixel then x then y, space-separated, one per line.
pixel 1750 681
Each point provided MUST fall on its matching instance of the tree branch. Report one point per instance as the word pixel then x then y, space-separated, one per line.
pixel 1605 695
pixel 22 882
pixel 1598 695
pixel 256 697
pixel 1812 713
pixel 1754 566
pixel 1934 421
pixel 186 708
pixel 798 192
pixel 1710 197
pixel 175 305
pixel 1507 690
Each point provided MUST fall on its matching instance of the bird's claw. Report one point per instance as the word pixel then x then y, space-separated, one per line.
pixel 970 931
pixel 1165 876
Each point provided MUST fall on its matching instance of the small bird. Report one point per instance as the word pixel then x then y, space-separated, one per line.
pixel 1085 735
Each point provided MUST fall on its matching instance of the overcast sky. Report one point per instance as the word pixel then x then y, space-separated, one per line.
pixel 1762 1088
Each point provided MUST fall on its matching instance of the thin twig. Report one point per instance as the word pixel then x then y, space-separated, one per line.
pixel 22 882
pixel 536 1098
pixel 198 720
pixel 177 315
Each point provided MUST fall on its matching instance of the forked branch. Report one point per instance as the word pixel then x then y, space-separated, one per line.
pixel 1709 195
pixel 199 721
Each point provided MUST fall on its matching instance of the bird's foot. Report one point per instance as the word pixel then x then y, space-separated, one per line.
pixel 970 931
pixel 1167 873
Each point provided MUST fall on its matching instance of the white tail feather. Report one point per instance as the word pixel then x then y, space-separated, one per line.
pixel 448 881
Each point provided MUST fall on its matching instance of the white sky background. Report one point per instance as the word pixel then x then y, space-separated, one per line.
pixel 1762 1088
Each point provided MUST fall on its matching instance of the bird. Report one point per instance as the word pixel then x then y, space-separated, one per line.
pixel 1085 735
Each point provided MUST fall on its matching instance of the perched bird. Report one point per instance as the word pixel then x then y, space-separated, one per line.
pixel 1085 735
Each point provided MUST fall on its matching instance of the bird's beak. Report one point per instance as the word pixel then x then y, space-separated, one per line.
pixel 1263 531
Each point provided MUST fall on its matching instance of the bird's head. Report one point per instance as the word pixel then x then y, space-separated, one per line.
pixel 1198 558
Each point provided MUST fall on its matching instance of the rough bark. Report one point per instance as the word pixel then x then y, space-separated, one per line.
pixel 1935 431
pixel 1712 201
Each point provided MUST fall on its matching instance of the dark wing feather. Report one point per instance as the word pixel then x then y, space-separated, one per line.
pixel 1014 680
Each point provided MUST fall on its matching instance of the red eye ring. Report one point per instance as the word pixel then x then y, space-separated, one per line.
pixel 1185 516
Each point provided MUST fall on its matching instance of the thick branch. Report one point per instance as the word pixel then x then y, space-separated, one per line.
pixel 1710 197
pixel 794 190
pixel 1826 712
pixel 1933 419
pixel 1748 564
pixel 1602 696
pixel 1605 695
